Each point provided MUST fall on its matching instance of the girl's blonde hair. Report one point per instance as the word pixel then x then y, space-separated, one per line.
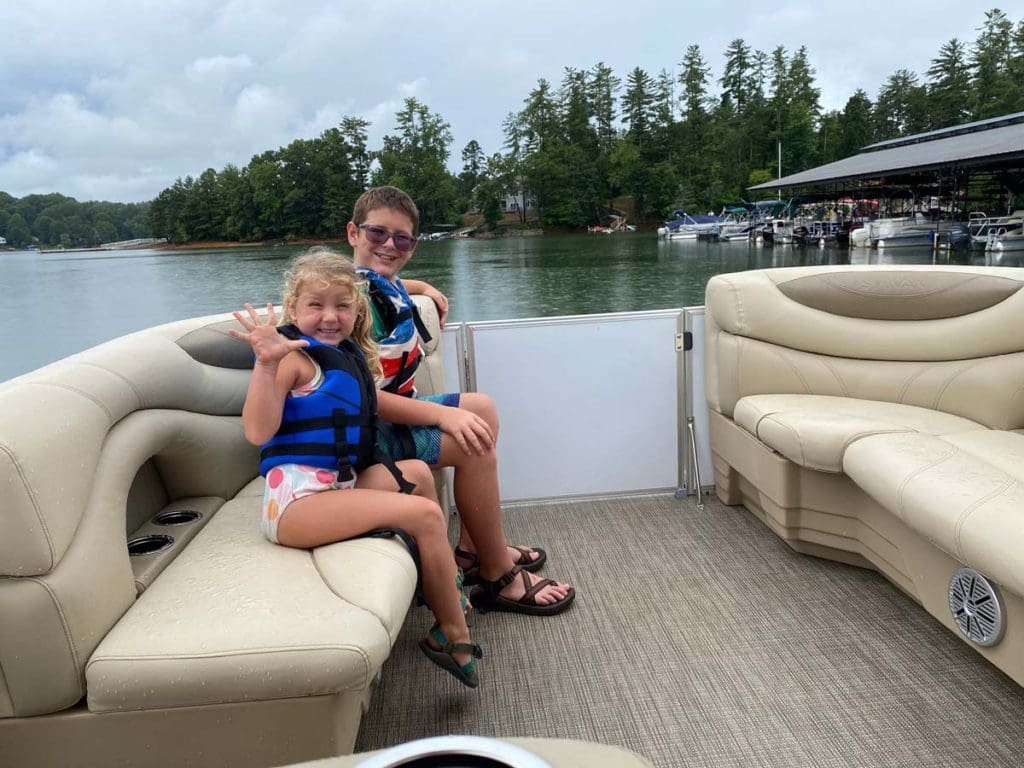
pixel 326 267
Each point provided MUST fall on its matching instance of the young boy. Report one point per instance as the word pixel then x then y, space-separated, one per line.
pixel 461 429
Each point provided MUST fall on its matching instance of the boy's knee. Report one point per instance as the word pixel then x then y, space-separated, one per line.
pixel 482 405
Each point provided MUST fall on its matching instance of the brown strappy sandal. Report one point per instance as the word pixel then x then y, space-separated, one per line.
pixel 524 561
pixel 487 596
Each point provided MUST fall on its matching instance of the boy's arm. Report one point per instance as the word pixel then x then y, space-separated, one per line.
pixel 471 432
pixel 414 287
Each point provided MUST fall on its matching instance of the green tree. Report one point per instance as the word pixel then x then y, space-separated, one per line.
pixel 487 196
pixel 638 106
pixel 105 231
pixel 900 108
pixel 415 158
pixel 949 80
pixel 737 81
pixel 18 233
pixel 695 131
pixel 994 93
pixel 474 168
pixel 604 87
pixel 855 122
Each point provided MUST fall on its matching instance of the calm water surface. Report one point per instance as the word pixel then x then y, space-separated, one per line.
pixel 56 304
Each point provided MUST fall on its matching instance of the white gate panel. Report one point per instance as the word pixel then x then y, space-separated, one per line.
pixel 588 405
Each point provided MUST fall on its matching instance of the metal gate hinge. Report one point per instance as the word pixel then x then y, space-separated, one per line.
pixel 684 341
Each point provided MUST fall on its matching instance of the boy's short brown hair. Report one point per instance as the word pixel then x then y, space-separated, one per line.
pixel 386 197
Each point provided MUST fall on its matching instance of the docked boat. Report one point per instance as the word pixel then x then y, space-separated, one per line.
pixel 683 226
pixel 1007 235
pixel 985 229
pixel 792 515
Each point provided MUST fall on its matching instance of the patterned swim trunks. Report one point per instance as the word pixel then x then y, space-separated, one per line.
pixel 287 483
pixel 400 441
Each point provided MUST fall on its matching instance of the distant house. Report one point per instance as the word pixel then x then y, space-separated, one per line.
pixel 516 203
pixel 3 241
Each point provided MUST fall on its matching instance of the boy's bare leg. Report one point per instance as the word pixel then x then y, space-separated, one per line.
pixel 477 497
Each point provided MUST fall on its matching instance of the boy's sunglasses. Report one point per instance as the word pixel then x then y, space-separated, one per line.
pixel 379 236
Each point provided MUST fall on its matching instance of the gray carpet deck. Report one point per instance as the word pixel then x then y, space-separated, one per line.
pixel 698 638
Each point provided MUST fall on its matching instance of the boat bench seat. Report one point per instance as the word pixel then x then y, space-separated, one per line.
pixel 115 658
pixel 874 415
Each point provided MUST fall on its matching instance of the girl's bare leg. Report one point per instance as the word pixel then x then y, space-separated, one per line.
pixel 331 516
pixel 478 499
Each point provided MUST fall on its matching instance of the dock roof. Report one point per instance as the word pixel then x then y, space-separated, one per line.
pixel 985 144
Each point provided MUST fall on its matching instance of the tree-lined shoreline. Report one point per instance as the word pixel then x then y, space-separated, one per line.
pixel 662 141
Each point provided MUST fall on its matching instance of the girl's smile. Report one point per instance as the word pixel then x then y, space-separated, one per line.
pixel 326 313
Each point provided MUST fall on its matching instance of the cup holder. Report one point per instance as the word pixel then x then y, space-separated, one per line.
pixel 177 517
pixel 148 545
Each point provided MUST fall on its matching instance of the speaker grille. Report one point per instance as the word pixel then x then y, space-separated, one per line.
pixel 976 606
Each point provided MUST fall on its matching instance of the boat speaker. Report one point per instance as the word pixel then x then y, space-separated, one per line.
pixel 455 752
pixel 977 607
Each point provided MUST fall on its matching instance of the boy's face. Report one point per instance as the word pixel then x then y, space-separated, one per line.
pixel 384 259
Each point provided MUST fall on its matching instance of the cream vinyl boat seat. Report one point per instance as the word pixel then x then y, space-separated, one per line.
pixel 873 415
pixel 211 635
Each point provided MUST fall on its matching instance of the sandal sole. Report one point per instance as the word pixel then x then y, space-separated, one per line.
pixel 448 664
pixel 483 604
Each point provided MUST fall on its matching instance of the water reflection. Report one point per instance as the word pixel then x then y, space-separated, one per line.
pixel 71 301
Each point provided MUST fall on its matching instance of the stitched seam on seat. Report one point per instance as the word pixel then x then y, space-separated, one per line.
pixel 800 445
pixel 82 393
pixel 333 591
pixel 229 654
pixel 239 654
pixel 127 381
pixel 906 386
pixel 854 438
pixel 773 349
pixel 953 451
pixel 737 300
pixel 63 621
pixel 3 680
pixel 839 379
pixel 942 391
pixel 35 504
pixel 962 520
pixel 1013 399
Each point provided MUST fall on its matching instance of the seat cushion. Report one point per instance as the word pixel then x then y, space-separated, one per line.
pixel 814 431
pixel 964 493
pixel 236 618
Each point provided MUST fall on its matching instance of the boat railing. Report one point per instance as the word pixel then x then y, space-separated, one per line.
pixel 980 225
pixel 668 344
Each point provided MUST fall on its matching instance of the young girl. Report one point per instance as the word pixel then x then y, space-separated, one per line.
pixel 322 486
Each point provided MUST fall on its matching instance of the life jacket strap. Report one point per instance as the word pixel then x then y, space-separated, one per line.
pixel 404 486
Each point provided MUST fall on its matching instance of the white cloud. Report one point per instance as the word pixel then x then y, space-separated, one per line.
pixel 217 68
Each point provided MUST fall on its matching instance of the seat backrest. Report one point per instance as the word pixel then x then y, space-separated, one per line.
pixel 430 374
pixel 91 446
pixel 940 337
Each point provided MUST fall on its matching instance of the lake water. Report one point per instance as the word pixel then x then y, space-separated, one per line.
pixel 66 302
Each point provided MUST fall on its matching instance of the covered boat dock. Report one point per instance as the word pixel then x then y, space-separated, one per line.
pixel 974 166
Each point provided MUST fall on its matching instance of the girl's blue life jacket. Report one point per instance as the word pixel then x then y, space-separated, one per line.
pixel 334 427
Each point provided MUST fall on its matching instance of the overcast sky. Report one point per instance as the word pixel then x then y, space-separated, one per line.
pixel 114 99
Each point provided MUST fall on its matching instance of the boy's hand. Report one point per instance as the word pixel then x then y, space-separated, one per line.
pixel 471 432
pixel 269 346
pixel 420 288
pixel 440 300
